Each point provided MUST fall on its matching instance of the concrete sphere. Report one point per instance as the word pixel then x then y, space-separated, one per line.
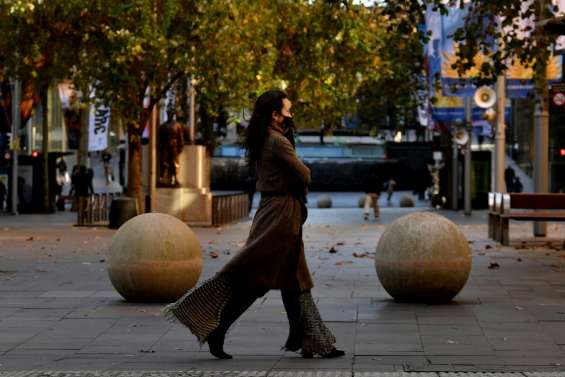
pixel 324 201
pixel 406 201
pixel 154 257
pixel 423 257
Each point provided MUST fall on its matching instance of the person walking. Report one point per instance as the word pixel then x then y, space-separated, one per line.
pixel 273 256
pixel 372 186
pixel 390 185
pixel 509 175
pixel 108 171
pixel 3 194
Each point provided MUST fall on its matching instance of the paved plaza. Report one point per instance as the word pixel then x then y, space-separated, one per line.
pixel 59 312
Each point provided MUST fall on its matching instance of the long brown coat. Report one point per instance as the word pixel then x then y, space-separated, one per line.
pixel 273 256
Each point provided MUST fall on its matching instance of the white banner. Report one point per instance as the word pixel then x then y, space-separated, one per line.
pixel 98 125
pixel 560 43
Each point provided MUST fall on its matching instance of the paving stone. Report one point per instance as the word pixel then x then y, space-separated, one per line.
pixel 506 320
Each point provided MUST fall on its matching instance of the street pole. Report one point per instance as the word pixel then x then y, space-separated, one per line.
pixel 16 120
pixel 541 163
pixel 541 128
pixel 500 136
pixel 467 172
pixel 192 122
pixel 151 185
pixel 454 175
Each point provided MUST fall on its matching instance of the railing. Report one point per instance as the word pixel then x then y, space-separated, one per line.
pixel 94 209
pixel 227 208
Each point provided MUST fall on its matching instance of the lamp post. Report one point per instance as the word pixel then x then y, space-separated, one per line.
pixel 500 136
pixel 16 120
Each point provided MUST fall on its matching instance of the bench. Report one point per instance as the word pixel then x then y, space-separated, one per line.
pixel 524 207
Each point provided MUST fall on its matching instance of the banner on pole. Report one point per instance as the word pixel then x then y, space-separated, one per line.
pixel 98 125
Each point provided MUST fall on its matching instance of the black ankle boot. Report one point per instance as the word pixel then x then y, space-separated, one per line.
pixel 333 354
pixel 216 344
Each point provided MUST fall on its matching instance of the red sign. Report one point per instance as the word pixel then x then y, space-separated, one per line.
pixel 558 98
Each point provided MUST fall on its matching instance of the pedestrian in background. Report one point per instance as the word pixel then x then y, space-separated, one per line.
pixel 390 185
pixel 3 193
pixel 372 186
pixel 108 172
pixel 273 256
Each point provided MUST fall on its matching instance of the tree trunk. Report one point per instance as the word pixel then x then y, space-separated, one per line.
pixel 82 153
pixel 134 167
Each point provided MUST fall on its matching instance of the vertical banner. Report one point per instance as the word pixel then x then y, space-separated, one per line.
pixel 560 43
pixel 98 124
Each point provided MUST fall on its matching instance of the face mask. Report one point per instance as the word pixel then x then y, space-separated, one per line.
pixel 288 122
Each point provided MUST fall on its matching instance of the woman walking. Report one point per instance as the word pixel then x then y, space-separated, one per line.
pixel 273 256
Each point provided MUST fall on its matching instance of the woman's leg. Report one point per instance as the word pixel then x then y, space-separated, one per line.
pixel 239 302
pixel 307 330
pixel 292 306
pixel 367 205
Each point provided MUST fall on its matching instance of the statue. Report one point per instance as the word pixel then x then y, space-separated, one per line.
pixel 171 143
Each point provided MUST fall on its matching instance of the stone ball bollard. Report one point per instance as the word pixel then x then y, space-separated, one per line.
pixel 423 257
pixel 154 257
pixel 407 201
pixel 324 201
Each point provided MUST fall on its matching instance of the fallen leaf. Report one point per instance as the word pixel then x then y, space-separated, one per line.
pixel 494 266
pixel 343 263
pixel 213 254
pixel 30 238
pixel 360 255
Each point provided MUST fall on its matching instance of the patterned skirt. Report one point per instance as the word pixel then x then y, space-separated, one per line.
pixel 200 311
pixel 200 308
pixel 317 338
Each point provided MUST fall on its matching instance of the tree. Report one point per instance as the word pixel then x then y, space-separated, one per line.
pixel 326 50
pixel 489 22
pixel 391 98
pixel 38 47
pixel 130 58
pixel 236 54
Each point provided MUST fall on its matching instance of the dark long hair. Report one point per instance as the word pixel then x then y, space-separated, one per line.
pixel 256 133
